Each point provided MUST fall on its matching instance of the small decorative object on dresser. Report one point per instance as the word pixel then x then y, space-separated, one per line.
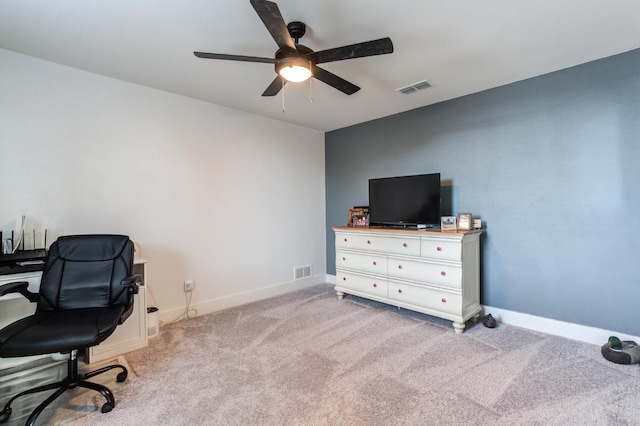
pixel 465 221
pixel 355 215
pixel 448 223
pixel 361 220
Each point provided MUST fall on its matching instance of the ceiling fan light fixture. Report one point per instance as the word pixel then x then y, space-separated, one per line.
pixel 295 73
pixel 294 70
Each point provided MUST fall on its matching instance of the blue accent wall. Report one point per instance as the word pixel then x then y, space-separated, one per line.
pixel 550 164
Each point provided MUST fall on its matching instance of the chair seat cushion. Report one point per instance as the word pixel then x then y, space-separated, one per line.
pixel 59 331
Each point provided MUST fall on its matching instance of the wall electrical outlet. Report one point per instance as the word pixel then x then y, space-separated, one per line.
pixel 189 285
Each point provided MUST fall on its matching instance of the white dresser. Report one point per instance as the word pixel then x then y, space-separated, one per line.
pixel 433 272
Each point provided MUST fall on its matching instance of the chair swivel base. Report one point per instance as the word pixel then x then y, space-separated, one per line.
pixel 73 380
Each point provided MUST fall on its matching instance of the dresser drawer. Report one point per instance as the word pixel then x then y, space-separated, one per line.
pixel 362 283
pixel 405 245
pixel 371 263
pixel 426 297
pixel 440 249
pixel 433 273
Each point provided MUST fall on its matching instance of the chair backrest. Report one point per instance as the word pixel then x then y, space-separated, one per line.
pixel 85 271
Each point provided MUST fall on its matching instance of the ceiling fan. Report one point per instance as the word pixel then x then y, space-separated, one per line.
pixel 295 62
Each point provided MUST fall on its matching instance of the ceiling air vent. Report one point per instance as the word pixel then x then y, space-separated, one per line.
pixel 412 88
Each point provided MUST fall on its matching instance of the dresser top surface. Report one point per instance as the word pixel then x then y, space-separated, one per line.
pixel 425 232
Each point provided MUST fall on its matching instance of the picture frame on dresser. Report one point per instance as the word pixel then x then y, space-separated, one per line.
pixel 448 223
pixel 356 217
pixel 465 221
pixel 361 220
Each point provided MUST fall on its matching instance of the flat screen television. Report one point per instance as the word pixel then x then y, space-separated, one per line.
pixel 405 201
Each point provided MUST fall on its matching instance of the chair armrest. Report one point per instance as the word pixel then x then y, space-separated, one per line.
pixel 132 282
pixel 19 287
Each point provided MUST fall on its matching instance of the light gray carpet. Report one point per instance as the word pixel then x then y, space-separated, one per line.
pixel 308 358
pixel 70 405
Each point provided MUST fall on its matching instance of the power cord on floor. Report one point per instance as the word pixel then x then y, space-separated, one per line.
pixel 187 314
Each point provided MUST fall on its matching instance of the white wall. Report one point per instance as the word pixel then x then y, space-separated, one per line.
pixel 231 200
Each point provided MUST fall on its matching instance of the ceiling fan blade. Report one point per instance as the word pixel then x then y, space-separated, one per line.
pixel 275 86
pixel 234 57
pixel 272 19
pixel 333 80
pixel 359 50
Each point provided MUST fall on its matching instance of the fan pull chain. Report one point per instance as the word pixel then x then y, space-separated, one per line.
pixel 310 87
pixel 283 88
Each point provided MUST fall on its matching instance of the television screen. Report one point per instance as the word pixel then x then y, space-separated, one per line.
pixel 411 201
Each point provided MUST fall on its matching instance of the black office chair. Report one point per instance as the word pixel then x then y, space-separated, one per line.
pixel 86 291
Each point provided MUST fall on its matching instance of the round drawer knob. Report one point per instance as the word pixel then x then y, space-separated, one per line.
pixel 368 241
pixel 344 278
pixel 404 244
pixel 399 290
pixel 439 248
pixel 374 263
pixel 443 273
pixel 444 300
pixel 375 285
pixel 344 258
pixel 399 266
pixel 345 240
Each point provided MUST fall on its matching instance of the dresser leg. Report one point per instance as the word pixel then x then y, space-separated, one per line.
pixel 340 295
pixel 458 327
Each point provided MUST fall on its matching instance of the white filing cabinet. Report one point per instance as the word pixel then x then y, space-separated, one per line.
pixel 433 272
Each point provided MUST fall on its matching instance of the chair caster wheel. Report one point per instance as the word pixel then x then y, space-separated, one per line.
pixel 121 377
pixel 106 407
pixel 4 416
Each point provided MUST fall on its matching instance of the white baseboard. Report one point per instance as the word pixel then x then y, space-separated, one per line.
pixel 237 299
pixel 583 333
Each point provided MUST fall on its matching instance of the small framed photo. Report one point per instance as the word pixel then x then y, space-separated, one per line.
pixel 465 222
pixel 448 223
pixel 357 217
pixel 360 220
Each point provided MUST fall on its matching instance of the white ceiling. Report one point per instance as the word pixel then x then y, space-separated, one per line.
pixel 459 46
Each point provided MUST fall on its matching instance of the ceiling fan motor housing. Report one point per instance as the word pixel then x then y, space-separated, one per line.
pixel 288 58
